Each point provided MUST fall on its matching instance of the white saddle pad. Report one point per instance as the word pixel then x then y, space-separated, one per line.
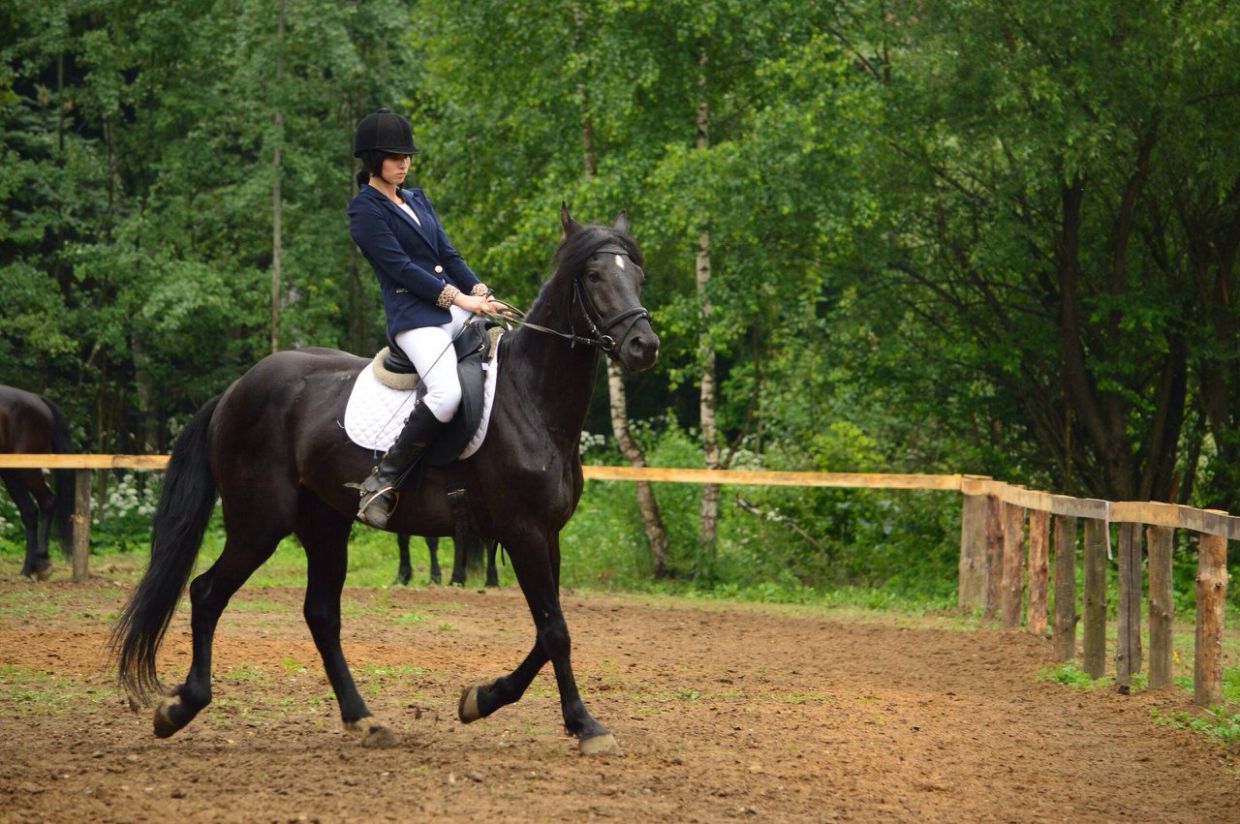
pixel 376 413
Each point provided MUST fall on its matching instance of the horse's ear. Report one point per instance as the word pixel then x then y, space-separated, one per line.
pixel 566 220
pixel 622 223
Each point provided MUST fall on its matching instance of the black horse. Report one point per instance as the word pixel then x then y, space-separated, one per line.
pixel 30 423
pixel 465 554
pixel 270 447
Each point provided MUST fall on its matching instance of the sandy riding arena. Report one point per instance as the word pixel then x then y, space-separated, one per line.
pixel 722 712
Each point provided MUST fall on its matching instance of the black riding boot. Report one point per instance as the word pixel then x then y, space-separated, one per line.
pixel 379 490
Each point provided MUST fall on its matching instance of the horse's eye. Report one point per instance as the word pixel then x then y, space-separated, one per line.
pixel 594 275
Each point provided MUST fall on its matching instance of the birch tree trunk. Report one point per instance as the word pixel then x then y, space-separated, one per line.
pixel 276 202
pixel 647 505
pixel 708 516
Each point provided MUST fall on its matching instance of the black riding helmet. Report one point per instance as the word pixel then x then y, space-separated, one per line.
pixel 384 131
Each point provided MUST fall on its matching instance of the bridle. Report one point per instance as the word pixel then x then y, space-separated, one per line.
pixel 599 329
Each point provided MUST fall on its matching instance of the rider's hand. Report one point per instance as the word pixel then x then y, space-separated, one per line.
pixel 474 304
pixel 498 307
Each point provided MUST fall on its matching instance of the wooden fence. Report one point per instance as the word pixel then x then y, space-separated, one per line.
pixel 1005 550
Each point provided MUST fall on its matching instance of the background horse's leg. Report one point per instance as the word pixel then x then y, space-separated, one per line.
pixel 35 509
pixel 432 545
pixel 460 549
pixel 324 534
pixel 404 567
pixel 209 594
pixel 536 567
pixel 491 545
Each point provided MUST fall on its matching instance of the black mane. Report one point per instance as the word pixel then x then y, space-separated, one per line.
pixel 570 258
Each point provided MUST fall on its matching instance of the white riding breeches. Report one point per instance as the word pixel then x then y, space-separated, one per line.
pixel 430 349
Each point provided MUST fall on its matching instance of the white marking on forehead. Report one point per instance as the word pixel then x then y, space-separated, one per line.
pixel 620 261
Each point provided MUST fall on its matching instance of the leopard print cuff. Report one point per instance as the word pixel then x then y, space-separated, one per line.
pixel 446 297
pixel 480 290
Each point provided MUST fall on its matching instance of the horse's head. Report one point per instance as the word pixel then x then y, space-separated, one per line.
pixel 605 266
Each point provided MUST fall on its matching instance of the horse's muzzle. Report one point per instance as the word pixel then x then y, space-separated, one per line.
pixel 639 349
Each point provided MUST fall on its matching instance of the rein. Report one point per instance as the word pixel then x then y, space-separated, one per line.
pixel 598 328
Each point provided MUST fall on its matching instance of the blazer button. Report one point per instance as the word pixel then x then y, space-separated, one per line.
pixel 438 269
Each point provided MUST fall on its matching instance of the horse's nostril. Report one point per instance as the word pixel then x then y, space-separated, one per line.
pixel 644 347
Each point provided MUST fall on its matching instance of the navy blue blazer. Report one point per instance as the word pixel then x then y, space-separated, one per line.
pixel 413 263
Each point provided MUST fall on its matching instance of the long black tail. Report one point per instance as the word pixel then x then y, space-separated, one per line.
pixel 66 481
pixel 185 505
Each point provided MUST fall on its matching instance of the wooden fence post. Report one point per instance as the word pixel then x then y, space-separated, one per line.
pixel 1013 564
pixel 1158 543
pixel 971 585
pixel 1211 600
pixel 1128 633
pixel 81 525
pixel 1065 588
pixel 1039 537
pixel 994 555
pixel 1097 541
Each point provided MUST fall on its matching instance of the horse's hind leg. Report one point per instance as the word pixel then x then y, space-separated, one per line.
pixel 209 595
pixel 535 571
pixel 325 536
pixel 483 699
pixel 35 509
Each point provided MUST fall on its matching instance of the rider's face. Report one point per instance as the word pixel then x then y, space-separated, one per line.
pixel 395 168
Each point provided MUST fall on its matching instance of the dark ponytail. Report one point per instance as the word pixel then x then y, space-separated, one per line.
pixel 372 166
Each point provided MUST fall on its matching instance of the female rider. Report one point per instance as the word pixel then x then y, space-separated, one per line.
pixel 428 293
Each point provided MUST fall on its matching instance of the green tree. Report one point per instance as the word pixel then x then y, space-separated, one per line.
pixel 1021 166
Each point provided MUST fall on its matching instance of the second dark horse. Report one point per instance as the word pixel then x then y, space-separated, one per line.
pixel 270 447
pixel 30 423
pixel 465 554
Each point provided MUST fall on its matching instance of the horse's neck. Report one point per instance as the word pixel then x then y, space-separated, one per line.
pixel 557 379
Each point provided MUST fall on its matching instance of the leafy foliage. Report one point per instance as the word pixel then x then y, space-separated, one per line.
pixel 959 236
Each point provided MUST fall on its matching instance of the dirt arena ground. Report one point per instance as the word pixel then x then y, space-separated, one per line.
pixel 723 712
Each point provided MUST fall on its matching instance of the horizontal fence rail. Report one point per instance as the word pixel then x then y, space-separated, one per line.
pixel 1006 540
pixel 1150 513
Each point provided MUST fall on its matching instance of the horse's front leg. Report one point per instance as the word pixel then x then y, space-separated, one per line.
pixel 535 573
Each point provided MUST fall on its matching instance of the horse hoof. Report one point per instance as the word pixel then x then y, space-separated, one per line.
pixel 604 744
pixel 164 725
pixel 467 710
pixel 374 733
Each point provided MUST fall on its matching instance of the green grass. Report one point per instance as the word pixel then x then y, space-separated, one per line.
pixel 30 605
pixel 1220 722
pixel 391 672
pixel 27 692
pixel 245 674
pixel 1072 676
